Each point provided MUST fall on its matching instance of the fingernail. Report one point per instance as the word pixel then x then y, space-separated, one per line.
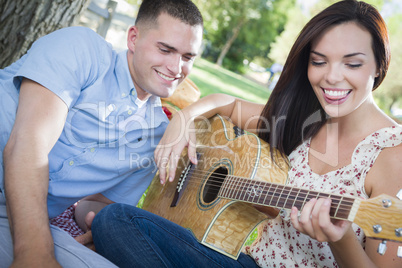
pixel 327 202
pixel 171 179
pixel 162 182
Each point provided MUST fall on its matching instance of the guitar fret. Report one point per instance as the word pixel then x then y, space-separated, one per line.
pixel 241 186
pixel 266 195
pixel 245 190
pixel 273 196
pixel 345 206
pixel 234 188
pixel 296 197
pixel 304 201
pixel 337 206
pixel 279 196
pixel 260 192
pixel 288 197
pixel 223 189
pixel 229 187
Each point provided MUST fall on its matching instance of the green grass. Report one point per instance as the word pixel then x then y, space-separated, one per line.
pixel 211 78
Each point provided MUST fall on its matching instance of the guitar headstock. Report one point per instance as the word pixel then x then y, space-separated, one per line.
pixel 381 217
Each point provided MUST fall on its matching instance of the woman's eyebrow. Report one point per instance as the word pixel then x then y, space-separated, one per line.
pixel 346 56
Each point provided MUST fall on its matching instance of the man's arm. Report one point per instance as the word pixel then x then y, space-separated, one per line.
pixel 40 119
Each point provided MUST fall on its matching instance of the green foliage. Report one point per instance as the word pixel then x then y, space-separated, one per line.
pixel 282 44
pixel 390 91
pixel 260 21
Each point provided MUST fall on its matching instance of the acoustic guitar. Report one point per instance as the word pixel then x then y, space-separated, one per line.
pixel 236 169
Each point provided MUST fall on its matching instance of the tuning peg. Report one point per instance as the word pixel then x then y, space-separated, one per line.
pixel 382 247
pixel 399 254
pixel 399 194
pixel 377 228
pixel 386 203
pixel 398 232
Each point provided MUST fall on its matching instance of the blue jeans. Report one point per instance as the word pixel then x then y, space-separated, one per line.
pixel 132 237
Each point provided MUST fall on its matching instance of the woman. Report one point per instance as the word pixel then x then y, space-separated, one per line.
pixel 325 120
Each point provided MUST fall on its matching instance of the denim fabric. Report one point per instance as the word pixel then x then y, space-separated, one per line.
pixel 132 237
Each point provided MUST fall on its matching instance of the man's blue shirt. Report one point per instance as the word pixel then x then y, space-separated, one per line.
pixel 105 147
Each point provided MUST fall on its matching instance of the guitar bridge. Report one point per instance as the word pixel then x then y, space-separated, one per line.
pixel 183 180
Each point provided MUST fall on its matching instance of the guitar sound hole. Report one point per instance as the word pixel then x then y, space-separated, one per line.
pixel 213 184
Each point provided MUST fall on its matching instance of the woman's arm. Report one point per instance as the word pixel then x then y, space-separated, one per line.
pixel 384 178
pixel 181 132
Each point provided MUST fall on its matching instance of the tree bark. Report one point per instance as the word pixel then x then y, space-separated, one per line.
pixel 229 42
pixel 24 21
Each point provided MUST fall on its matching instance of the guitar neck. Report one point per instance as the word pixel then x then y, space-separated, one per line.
pixel 281 196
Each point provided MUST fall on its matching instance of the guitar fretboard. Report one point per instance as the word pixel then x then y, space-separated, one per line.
pixel 281 196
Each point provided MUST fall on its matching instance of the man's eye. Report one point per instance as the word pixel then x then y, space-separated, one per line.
pixel 164 50
pixel 188 58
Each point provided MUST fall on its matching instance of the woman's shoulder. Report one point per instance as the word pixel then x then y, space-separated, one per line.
pixel 385 175
pixel 389 136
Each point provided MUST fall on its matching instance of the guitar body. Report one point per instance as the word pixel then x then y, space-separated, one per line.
pixel 223 149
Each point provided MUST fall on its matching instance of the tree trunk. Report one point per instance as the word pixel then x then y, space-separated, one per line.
pixel 24 21
pixel 229 43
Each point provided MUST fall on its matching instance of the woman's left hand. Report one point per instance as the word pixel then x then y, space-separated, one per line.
pixel 315 221
pixel 86 239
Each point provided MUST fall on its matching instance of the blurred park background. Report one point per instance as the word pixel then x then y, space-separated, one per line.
pixel 245 43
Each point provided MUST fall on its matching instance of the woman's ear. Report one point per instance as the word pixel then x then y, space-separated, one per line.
pixel 132 37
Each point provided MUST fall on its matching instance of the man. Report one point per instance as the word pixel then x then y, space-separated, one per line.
pixel 80 122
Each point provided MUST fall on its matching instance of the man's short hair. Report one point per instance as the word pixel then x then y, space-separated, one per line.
pixel 184 10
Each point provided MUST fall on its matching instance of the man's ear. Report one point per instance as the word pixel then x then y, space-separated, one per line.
pixel 132 37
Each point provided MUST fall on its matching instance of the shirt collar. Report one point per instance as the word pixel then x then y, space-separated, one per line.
pixel 126 84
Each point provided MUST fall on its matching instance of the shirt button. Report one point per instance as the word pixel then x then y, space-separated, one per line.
pixel 133 93
pixel 111 107
pixel 71 163
pixel 130 112
pixel 92 150
pixel 123 94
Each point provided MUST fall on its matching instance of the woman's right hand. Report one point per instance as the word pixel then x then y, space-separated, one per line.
pixel 179 134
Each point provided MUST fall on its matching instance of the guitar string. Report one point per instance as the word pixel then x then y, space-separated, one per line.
pixel 219 181
pixel 343 206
